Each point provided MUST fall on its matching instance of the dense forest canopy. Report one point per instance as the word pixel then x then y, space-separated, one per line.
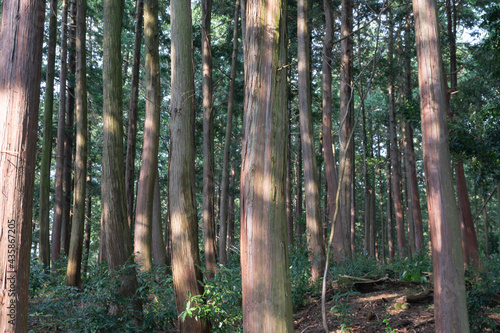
pixel 193 159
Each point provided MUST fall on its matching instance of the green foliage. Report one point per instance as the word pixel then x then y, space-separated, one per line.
pixel 71 310
pixel 221 301
pixel 300 275
pixel 360 265
pixel 412 269
pixel 482 286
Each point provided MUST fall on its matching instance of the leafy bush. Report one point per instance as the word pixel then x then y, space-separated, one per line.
pixel 300 275
pixel 221 301
pixel 412 269
pixel 482 286
pixel 71 310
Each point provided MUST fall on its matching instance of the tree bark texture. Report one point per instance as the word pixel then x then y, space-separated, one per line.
pixel 469 237
pixel 149 165
pixel 346 128
pixel 450 309
pixel 115 234
pixel 74 268
pixel 227 144
pixel 209 236
pixel 390 206
pixel 21 36
pixel 183 219
pixel 395 163
pixel 44 253
pixel 158 244
pixel 61 126
pixel 264 258
pixel 313 213
pixel 67 212
pixel 132 115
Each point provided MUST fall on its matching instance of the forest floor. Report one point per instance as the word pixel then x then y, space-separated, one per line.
pixel 384 310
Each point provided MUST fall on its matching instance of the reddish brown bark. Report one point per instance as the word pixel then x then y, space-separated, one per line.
pixel 450 309
pixel 21 36
pixel 264 258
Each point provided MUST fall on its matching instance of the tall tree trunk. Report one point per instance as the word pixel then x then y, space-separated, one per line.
pixel 298 194
pixel 227 144
pixel 88 226
pixel 44 253
pixel 328 149
pixel 288 188
pixel 231 214
pixel 115 234
pixel 408 200
pixel 132 115
pixel 395 163
pixel 149 166
pixel 313 213
pixel 264 260
pixel 73 272
pixel 183 219
pixel 67 212
pixel 346 127
pixel 209 238
pixel 469 237
pixel 21 37
pixel 61 127
pixel 381 203
pixel 329 152
pixel 390 207
pixel 450 309
pixel 158 245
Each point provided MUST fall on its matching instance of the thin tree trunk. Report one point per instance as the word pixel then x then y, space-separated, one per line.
pixel 132 116
pixel 158 245
pixel 88 226
pixel 61 127
pixel 264 260
pixel 227 144
pixel 231 214
pixel 183 219
pixel 390 221
pixel 73 272
pixel 469 237
pixel 328 149
pixel 149 166
pixel 67 213
pixel 381 202
pixel 408 200
pixel 116 241
pixel 21 37
pixel 346 127
pixel 44 253
pixel 396 166
pixel 450 308
pixel 313 213
pixel 299 196
pixel 209 236
pixel 288 188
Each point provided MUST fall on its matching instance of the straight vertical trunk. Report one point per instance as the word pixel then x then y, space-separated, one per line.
pixel 485 224
pixel 390 221
pixel 149 166
pixel 227 144
pixel 209 238
pixel 288 189
pixel 21 37
pixel 328 149
pixel 88 226
pixel 313 213
pixel 231 214
pixel 158 245
pixel 182 210
pixel 299 194
pixel 61 127
pixel 115 233
pixel 381 203
pixel 132 115
pixel 73 272
pixel 266 285
pixel 67 212
pixel 346 128
pixel 450 308
pixel 395 164
pixel 44 253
